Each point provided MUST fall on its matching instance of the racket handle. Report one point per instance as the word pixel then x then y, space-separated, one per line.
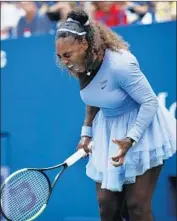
pixel 77 155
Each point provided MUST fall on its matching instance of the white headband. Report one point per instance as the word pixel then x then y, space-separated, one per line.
pixel 74 32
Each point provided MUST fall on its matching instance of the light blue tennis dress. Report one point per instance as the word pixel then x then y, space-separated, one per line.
pixel 128 108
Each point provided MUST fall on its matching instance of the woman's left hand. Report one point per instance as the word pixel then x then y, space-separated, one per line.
pixel 123 145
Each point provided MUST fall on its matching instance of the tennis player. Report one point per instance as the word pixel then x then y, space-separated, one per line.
pixel 133 133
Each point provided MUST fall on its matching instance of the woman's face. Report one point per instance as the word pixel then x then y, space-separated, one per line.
pixel 72 53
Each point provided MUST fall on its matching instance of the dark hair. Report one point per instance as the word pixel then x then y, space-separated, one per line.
pixel 77 22
pixel 98 35
pixel 78 15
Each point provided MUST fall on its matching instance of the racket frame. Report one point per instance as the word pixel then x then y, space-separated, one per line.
pixel 51 185
pixel 67 163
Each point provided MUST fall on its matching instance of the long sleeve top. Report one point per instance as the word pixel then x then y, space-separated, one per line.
pixel 119 87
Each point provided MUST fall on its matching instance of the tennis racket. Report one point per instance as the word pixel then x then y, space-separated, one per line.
pixel 26 192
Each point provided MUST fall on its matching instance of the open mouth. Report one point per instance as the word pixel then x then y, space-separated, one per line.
pixel 70 66
pixel 73 67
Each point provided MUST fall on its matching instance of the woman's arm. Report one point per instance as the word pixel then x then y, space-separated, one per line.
pixel 86 133
pixel 90 115
pixel 134 82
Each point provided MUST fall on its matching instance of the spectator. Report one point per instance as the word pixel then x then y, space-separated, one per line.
pixel 165 11
pixel 58 11
pixel 10 15
pixel 32 23
pixel 110 14
pixel 140 12
pixel 26 18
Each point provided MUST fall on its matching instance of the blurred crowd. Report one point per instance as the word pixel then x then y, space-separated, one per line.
pixel 36 18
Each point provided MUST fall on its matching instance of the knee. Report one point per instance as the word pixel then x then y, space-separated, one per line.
pixel 138 210
pixel 106 206
pixel 103 202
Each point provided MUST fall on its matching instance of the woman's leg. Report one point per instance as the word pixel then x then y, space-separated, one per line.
pixel 139 195
pixel 110 204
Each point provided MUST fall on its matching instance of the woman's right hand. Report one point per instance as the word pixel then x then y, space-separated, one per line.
pixel 83 143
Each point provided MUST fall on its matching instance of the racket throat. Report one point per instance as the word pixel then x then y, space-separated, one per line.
pixel 56 179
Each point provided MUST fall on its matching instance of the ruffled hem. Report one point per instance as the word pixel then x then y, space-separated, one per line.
pixel 113 178
pixel 157 141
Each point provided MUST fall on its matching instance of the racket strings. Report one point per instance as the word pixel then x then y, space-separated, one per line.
pixel 24 195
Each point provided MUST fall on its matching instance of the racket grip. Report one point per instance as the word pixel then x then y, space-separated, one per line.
pixel 77 155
